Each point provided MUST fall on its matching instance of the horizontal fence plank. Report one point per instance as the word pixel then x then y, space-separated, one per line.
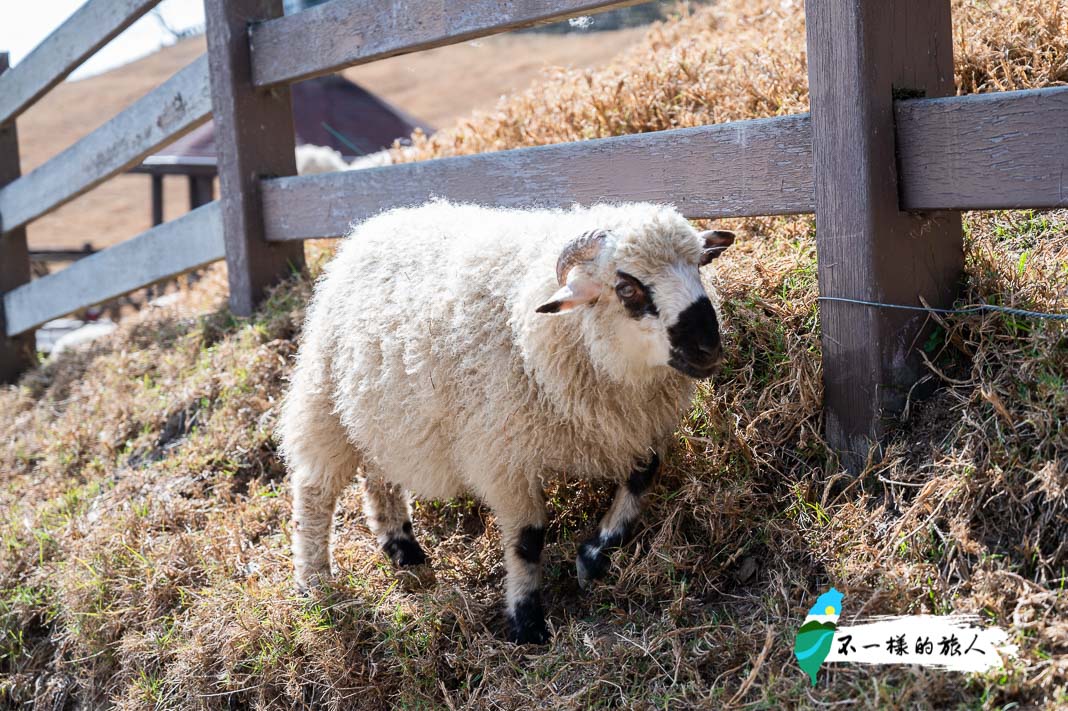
pixel 92 26
pixel 758 167
pixel 984 151
pixel 169 111
pixel 342 33
pixel 989 151
pixel 175 247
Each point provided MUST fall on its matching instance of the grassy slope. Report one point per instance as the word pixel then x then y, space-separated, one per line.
pixel 144 514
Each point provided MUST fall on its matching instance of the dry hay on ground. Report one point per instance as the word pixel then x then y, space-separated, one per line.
pixel 144 526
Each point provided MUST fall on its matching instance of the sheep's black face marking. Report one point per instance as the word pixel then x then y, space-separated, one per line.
pixel 642 476
pixel 636 297
pixel 531 541
pixel 526 622
pixel 695 346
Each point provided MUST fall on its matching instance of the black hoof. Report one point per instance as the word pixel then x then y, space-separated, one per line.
pixel 404 552
pixel 592 562
pixel 526 625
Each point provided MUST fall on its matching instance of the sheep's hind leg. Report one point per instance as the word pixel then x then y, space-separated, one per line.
pixel 388 517
pixel 617 526
pixel 323 462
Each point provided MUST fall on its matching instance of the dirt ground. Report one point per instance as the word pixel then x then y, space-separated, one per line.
pixel 437 86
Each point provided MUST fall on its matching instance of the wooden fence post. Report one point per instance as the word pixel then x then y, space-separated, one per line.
pixel 16 353
pixel 253 139
pixel 862 54
pixel 201 190
pixel 157 199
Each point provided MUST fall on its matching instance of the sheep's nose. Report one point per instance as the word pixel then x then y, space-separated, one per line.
pixel 711 353
pixel 707 345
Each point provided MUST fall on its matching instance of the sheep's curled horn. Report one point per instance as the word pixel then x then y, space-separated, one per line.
pixel 581 289
pixel 583 248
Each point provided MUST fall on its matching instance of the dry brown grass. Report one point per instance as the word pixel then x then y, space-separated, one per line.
pixel 144 533
pixel 737 60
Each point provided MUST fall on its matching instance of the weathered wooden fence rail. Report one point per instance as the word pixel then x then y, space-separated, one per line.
pixel 884 177
pixel 169 112
pixel 91 27
pixel 189 242
pixel 757 167
pixel 344 33
pixel 746 168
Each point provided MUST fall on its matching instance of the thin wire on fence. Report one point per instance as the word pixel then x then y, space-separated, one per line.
pixel 977 308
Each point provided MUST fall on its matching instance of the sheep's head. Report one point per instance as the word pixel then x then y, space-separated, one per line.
pixel 642 295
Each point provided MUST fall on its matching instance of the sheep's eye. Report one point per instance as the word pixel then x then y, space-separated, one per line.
pixel 637 298
pixel 631 292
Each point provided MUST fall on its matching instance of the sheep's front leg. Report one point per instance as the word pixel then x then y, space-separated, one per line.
pixel 617 526
pixel 521 518
pixel 388 517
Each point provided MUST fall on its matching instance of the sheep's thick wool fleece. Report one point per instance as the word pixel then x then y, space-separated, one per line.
pixel 423 334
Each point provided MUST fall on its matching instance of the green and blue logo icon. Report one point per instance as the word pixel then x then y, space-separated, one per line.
pixel 816 636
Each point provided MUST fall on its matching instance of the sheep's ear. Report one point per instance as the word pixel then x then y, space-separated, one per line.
pixel 716 242
pixel 575 293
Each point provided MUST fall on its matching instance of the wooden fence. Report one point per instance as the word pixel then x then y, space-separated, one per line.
pixel 886 178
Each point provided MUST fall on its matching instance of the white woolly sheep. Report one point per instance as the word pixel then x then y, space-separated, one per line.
pixel 454 348
pixel 313 159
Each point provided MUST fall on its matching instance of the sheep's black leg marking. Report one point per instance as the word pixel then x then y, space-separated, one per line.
pixel 618 524
pixel 531 541
pixel 526 616
pixel 593 556
pixel 520 512
pixel 386 507
pixel 643 475
pixel 526 621
pixel 402 549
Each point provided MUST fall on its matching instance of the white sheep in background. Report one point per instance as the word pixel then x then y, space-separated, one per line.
pixel 454 348
pixel 324 159
pixel 318 159
pixel 312 159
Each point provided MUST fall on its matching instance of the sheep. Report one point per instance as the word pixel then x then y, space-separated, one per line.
pixel 312 159
pixel 453 348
